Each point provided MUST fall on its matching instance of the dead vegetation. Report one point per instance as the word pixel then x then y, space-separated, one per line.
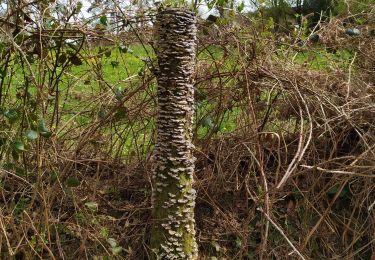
pixel 294 179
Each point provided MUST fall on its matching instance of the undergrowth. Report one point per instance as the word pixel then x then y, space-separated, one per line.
pixel 284 140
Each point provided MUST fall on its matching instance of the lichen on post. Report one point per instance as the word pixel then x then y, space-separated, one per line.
pixel 173 198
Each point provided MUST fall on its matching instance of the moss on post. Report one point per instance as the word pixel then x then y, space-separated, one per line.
pixel 173 198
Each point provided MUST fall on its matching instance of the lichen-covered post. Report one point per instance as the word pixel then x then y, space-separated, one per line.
pixel 173 198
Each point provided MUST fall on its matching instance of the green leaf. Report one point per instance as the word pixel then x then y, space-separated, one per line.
pixel 78 7
pixel 116 250
pixel 12 114
pixel 75 60
pixel 119 94
pixel 92 205
pixel 42 129
pixel 221 3
pixel 46 134
pixel 2 46
pixel 62 58
pixel 210 4
pixel 207 122
pixel 31 134
pixel 103 20
pixel 2 73
pixel 124 49
pixel 112 242
pixel 104 232
pixel 15 154
pixel 101 113
pixel 72 182
pixel 121 113
pixel 19 146
pixel 240 7
pixel 335 188
pixel 20 172
pixel 107 53
pixel 141 72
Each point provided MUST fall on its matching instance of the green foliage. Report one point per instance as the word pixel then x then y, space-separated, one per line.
pixel 12 114
pixel 20 207
pixel 72 182
pixel 18 146
pixel 31 134
pixel 115 248
pixel 353 6
pixel 47 108
pixel 42 129
pixel 78 7
pixel 103 20
pixel 335 188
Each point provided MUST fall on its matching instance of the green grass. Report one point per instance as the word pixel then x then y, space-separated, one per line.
pixel 320 59
pixel 109 70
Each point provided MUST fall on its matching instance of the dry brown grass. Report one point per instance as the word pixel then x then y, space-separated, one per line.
pixel 297 174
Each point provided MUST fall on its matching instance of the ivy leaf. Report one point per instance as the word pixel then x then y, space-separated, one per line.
pixel 72 182
pixel 19 146
pixel 119 94
pixel 46 134
pixel 12 115
pixel 335 188
pixel 42 129
pixel 103 20
pixel 31 134
pixel 42 126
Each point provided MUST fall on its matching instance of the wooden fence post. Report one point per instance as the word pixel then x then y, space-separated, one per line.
pixel 173 198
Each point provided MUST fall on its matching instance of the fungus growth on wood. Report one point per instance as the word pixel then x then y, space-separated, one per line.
pixel 173 198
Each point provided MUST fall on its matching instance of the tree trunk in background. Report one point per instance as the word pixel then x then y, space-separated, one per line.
pixel 173 198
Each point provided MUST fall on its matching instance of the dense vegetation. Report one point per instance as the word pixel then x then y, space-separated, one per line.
pixel 284 129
